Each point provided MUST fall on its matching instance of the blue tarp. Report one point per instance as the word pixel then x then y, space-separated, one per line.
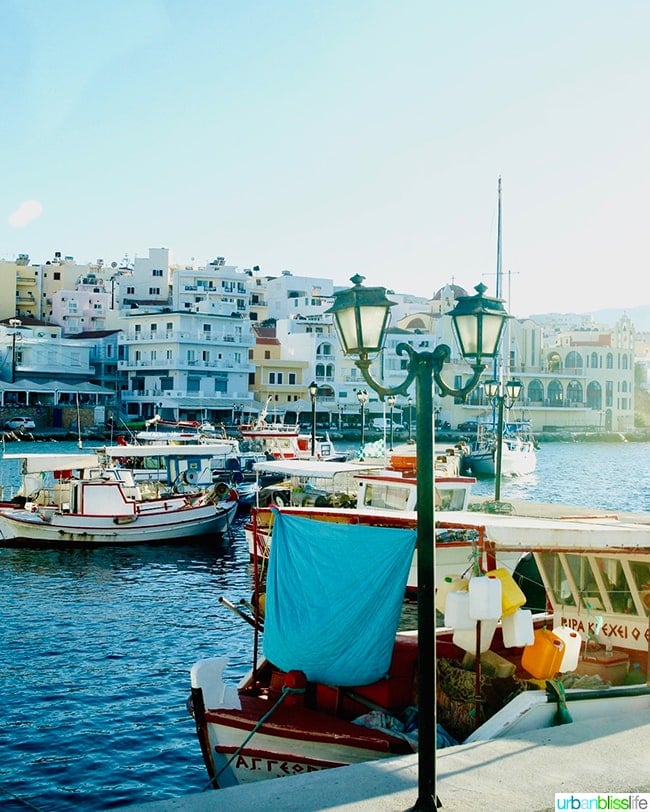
pixel 334 597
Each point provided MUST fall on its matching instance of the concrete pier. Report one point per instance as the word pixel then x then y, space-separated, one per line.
pixel 509 775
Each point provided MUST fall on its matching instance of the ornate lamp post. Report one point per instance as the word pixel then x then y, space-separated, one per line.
pixel 15 324
pixel 391 403
pixel 362 397
pixel 500 395
pixel 410 405
pixel 361 316
pixel 313 391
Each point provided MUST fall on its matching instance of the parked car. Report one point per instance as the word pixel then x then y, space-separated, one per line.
pixel 384 425
pixel 19 423
pixel 469 426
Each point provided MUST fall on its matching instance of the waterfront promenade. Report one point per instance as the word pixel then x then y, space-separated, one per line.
pixel 504 775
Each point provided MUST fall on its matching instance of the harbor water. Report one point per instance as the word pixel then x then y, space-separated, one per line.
pixel 97 644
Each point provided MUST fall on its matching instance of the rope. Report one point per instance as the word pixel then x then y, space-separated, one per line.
pixel 285 692
pixel 20 800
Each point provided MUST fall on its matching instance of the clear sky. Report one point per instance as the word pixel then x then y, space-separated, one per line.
pixel 333 137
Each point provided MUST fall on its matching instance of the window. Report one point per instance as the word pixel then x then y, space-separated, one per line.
pixel 193 384
pixel 267 355
pixel 130 291
pixel 157 272
pixel 292 378
pixel 166 383
pixel 205 355
pixel 154 291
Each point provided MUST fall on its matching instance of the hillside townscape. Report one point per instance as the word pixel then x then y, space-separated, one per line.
pixel 129 341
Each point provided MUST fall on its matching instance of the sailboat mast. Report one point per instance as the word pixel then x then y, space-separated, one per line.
pixel 499 273
pixel 497 367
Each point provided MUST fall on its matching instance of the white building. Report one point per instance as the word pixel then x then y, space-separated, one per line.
pixel 185 365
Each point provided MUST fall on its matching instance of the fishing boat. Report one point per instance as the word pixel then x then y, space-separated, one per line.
pixel 369 494
pixel 180 468
pixel 75 499
pixel 518 449
pixel 283 441
pixel 336 683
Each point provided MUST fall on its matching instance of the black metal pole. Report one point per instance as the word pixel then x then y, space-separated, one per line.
pixel 13 357
pixel 426 560
pixel 313 426
pixel 499 449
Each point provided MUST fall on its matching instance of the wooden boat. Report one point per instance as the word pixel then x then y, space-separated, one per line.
pixel 291 714
pixel 281 441
pixel 223 457
pixel 73 499
pixel 348 493
pixel 518 450
pixel 179 468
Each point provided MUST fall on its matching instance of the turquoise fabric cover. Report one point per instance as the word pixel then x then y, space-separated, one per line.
pixel 334 597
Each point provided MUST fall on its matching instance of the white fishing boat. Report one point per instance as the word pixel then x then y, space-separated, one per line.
pixel 181 468
pixel 518 450
pixel 321 697
pixel 282 441
pixel 74 499
pixel 368 494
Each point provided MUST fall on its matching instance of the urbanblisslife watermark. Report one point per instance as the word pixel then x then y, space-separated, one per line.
pixel 602 801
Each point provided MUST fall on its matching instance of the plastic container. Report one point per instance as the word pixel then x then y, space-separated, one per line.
pixel 457 610
pixel 450 583
pixel 542 660
pixel 517 629
pixel 491 663
pixel 512 596
pixel 485 598
pixel 572 644
pixel 466 638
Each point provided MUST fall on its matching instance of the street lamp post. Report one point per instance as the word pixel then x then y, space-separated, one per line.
pixel 362 397
pixel 15 324
pixel 391 403
pixel 361 316
pixel 313 391
pixel 410 405
pixel 500 395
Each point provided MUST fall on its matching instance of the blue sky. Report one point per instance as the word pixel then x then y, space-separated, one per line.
pixel 336 137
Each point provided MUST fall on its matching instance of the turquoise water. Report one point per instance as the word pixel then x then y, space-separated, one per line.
pixel 97 644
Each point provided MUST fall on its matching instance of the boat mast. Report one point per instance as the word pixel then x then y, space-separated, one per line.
pixel 497 364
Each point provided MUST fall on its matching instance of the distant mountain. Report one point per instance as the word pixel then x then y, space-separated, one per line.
pixel 640 316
